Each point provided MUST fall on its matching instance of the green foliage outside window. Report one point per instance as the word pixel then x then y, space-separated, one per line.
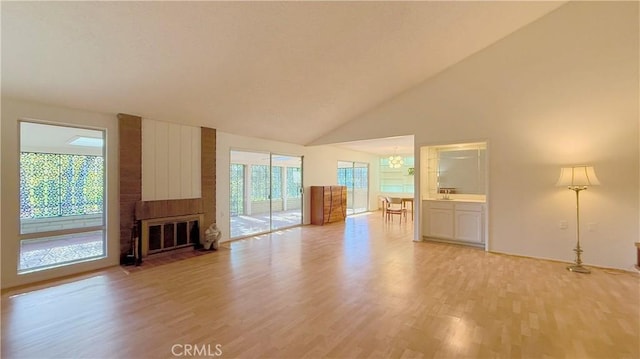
pixel 237 189
pixel 259 182
pixel 294 182
pixel 54 185
pixel 276 182
pixel 353 177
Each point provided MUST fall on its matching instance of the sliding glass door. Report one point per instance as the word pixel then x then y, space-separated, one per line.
pixel 265 192
pixel 286 191
pixel 360 187
pixel 355 176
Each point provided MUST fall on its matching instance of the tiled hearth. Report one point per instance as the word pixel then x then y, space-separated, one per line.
pixel 173 256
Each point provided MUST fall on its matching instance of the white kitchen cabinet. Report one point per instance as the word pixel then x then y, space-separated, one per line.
pixel 468 226
pixel 441 223
pixel 439 219
pixel 454 220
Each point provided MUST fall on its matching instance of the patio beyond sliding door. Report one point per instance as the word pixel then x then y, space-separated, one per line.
pixel 265 192
pixel 360 187
pixel 355 176
pixel 286 191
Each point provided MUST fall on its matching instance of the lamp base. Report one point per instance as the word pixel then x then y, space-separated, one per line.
pixel 578 268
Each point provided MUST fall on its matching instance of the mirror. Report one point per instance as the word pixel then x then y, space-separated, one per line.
pixel 462 170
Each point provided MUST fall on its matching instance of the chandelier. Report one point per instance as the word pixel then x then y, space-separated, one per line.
pixel 395 161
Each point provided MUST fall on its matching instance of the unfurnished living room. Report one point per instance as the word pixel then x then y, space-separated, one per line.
pixel 326 179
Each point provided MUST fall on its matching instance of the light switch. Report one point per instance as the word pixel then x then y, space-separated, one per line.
pixel 563 224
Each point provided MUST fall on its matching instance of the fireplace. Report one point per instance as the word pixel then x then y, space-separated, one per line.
pixel 168 233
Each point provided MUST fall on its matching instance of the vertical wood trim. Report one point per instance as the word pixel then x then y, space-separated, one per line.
pixel 130 166
pixel 162 160
pixel 208 175
pixel 186 170
pixel 196 159
pixel 174 167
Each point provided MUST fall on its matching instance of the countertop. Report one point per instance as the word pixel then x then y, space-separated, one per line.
pixel 455 200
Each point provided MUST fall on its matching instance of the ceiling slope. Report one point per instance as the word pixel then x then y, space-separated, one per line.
pixel 287 71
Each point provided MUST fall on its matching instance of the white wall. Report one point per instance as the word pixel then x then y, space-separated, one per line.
pixel 319 168
pixel 12 111
pixel 563 90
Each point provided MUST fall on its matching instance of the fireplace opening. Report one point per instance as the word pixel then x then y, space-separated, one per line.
pixel 169 233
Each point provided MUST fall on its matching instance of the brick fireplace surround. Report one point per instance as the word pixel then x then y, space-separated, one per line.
pixel 132 208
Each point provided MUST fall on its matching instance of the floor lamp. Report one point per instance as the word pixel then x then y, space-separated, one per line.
pixel 578 178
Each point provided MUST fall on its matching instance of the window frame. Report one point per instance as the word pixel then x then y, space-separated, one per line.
pixel 31 236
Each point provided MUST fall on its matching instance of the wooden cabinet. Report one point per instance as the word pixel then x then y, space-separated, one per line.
pixel 328 204
pixel 454 221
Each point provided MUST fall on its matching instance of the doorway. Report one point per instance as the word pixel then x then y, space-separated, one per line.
pixel 355 176
pixel 265 192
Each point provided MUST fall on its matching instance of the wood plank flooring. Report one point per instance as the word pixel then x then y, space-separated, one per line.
pixel 355 290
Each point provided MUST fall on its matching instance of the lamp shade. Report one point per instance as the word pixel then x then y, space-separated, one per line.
pixel 577 176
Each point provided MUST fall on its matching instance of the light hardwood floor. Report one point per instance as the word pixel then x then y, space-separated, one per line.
pixel 360 289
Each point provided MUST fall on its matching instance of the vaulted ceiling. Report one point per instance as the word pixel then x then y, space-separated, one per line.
pixel 287 71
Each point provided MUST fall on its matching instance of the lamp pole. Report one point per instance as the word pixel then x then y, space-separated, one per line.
pixel 578 267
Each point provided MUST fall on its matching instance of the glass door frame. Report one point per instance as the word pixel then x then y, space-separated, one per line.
pixel 351 190
pixel 284 189
pixel 247 189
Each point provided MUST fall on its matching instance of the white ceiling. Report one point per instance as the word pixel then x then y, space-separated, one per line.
pixel 288 71
pixel 401 145
pixel 37 137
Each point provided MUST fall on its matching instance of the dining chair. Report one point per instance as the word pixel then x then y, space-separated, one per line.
pixel 394 206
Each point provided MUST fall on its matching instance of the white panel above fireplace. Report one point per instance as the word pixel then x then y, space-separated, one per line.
pixel 170 161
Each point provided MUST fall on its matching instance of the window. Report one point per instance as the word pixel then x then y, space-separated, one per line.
pixel 361 177
pixel 61 196
pixel 345 177
pixel 276 181
pixel 237 189
pixel 355 176
pixel 259 182
pixel 294 182
pixel 396 180
pixel 60 185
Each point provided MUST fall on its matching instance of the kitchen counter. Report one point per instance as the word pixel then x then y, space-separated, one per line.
pixel 455 200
